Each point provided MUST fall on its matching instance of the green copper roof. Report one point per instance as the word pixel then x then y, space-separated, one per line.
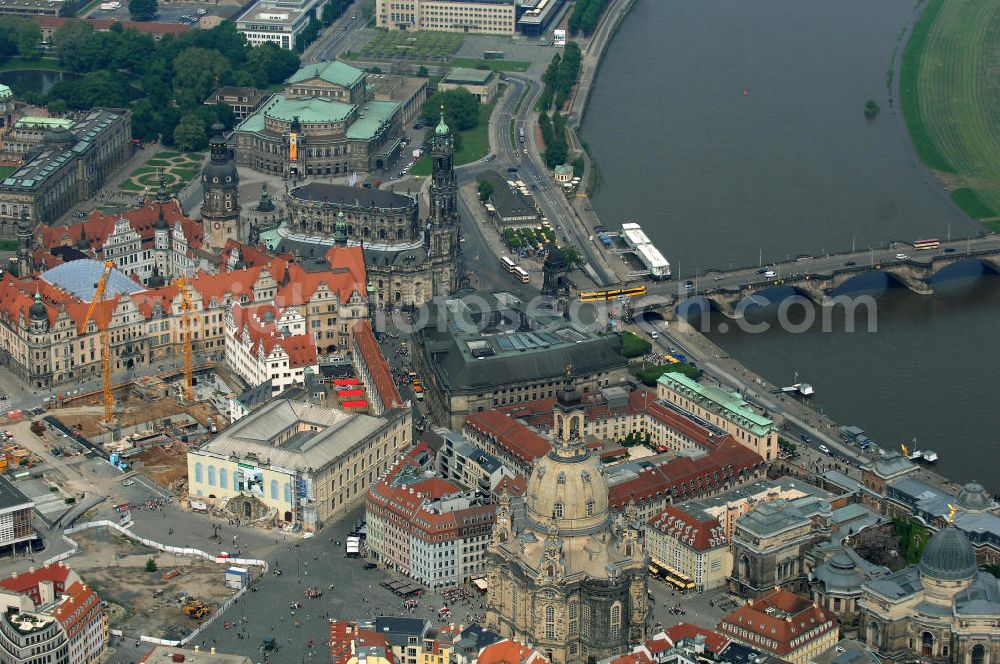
pixel 376 113
pixel 442 128
pixel 5 91
pixel 310 109
pixel 270 239
pixel 334 72
pixel 38 122
pixel 728 404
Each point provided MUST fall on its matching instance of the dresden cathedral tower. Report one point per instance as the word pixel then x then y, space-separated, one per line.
pixel 220 210
pixel 441 240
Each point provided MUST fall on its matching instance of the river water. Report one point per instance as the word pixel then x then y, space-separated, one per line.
pixel 734 131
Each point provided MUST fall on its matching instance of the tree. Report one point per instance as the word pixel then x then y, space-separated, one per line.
pixel 27 36
pixel 142 10
pixel 69 41
pixel 268 63
pixel 151 565
pixel 190 133
pixel 579 166
pixel 198 71
pixel 422 72
pixel 485 190
pixel 56 107
pixel 872 109
pixel 461 109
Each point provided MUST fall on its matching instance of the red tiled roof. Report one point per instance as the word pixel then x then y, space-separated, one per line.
pixel 510 434
pixel 637 657
pixel 686 631
pixel 64 582
pixel 98 226
pixel 378 368
pixel 260 322
pixel 699 534
pixel 509 652
pixel 516 485
pixel 793 616
pixel 405 501
pixel 346 638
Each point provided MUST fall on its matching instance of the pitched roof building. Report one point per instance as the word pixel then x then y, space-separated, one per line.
pixel 427 527
pixel 51 613
pixel 784 624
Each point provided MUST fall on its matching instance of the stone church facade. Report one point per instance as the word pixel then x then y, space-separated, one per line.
pixel 563 576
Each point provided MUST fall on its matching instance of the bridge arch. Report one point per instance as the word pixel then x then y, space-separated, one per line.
pixel 971 266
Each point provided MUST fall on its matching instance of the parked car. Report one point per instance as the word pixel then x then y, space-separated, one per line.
pixel 901 257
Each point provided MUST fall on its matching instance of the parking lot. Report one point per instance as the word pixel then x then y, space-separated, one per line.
pixel 169 12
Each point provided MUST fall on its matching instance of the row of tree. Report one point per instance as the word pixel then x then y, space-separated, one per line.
pixel 165 83
pixel 560 77
pixel 554 134
pixel 586 15
pixel 18 36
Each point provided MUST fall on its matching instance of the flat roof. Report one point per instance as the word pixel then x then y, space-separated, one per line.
pixel 730 402
pixel 11 496
pixel 471 76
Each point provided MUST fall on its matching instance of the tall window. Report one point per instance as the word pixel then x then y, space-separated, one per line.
pixel 590 508
pixel 557 511
pixel 550 622
pixel 197 473
pixel 211 475
pixel 585 621
pixel 574 618
pixel 223 478
pixel 274 489
pixel 616 622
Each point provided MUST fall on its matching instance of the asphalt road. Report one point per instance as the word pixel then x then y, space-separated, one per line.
pixel 333 40
pixel 707 281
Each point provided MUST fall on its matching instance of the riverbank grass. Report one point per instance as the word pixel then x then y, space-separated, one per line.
pixel 950 96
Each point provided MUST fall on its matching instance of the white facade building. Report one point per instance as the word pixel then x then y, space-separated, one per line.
pixel 266 343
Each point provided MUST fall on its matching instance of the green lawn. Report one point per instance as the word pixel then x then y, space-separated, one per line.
pixel 495 65
pixel 166 154
pixel 407 45
pixel 8 245
pixel 648 373
pixel 950 95
pixel 475 144
pixel 633 345
pixel 5 171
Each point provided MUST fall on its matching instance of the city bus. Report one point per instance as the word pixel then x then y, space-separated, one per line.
pixel 521 274
pixel 921 245
pixel 507 263
pixel 520 132
pixel 597 296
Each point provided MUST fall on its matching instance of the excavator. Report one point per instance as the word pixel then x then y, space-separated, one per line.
pixel 195 609
pixel 102 327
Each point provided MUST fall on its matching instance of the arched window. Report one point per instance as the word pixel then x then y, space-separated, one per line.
pixel 557 511
pixel 979 654
pixel 211 475
pixel 590 507
pixel 550 622
pixel 197 473
pixel 274 489
pixel 615 631
pixel 927 644
pixel 223 478
pixel 288 492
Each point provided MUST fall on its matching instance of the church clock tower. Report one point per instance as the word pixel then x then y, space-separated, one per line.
pixel 441 240
pixel 220 209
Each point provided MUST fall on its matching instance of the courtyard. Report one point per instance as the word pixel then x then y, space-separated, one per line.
pixel 178 168
pixel 408 45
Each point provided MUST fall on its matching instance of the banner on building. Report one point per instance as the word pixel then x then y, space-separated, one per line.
pixel 293 147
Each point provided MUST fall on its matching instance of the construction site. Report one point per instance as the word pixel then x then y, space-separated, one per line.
pixel 167 598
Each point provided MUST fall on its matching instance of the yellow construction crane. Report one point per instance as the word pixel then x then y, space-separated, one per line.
pixel 186 333
pixel 102 327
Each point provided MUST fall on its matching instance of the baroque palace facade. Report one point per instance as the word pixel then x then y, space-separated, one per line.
pixel 562 574
pixel 408 261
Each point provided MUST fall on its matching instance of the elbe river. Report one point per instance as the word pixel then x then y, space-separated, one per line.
pixel 733 129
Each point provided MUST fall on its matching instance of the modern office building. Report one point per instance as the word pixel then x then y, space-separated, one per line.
pixel 491 17
pixel 275 21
